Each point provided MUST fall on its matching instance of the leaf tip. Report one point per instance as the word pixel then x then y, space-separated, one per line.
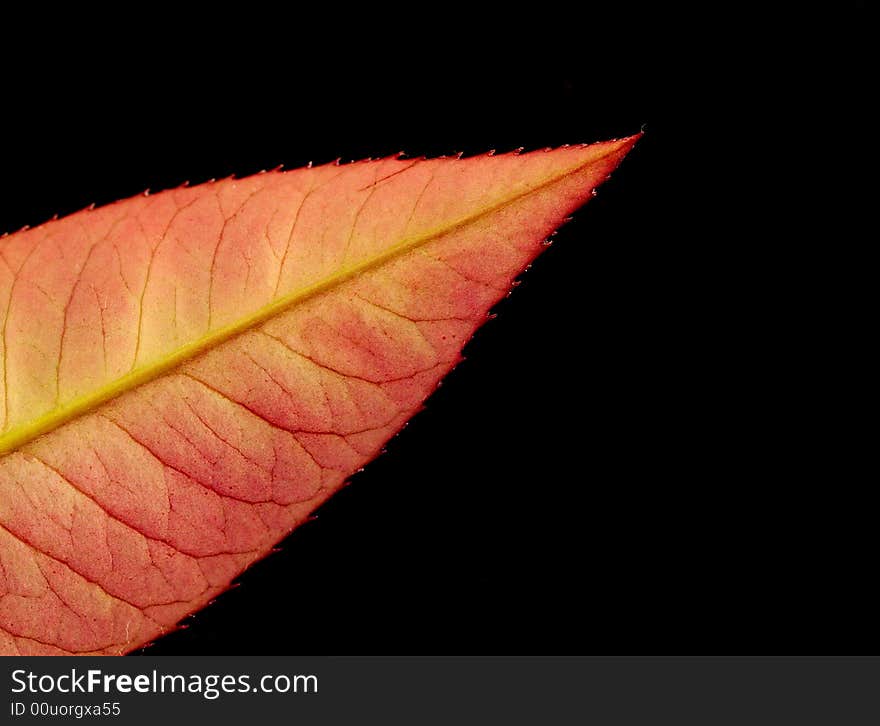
pixel 625 144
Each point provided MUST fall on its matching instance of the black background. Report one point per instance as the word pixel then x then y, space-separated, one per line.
pixel 596 475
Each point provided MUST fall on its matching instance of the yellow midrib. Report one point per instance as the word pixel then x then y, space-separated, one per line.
pixel 20 435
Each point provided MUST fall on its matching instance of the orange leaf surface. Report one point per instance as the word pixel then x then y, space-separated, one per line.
pixel 187 376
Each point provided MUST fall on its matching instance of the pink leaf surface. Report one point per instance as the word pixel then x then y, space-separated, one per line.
pixel 188 375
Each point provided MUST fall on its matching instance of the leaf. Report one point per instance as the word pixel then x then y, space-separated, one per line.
pixel 187 376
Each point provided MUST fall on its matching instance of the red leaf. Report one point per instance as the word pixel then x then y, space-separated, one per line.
pixel 187 376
